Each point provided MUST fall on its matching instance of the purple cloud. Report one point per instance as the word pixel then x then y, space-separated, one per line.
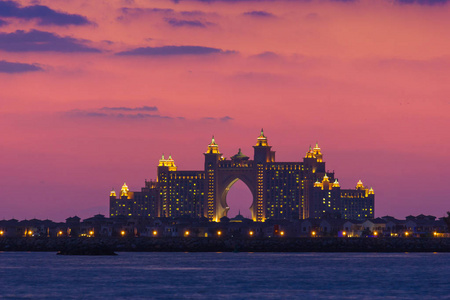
pixel 45 15
pixel 258 13
pixel 14 67
pixel 423 2
pixel 173 50
pixel 3 23
pixel 185 23
pixel 41 41
pixel 123 108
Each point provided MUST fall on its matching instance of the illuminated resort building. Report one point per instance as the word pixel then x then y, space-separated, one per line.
pixel 281 190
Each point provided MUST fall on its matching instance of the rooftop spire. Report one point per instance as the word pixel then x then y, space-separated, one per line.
pixel 262 140
pixel 213 147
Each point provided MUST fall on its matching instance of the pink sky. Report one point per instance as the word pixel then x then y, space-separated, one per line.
pixel 369 80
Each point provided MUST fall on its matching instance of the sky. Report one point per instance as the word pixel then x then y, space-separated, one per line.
pixel 92 93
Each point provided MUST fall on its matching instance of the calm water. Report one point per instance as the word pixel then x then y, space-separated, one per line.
pixel 225 276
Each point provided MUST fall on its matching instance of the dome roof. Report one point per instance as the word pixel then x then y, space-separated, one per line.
pixel 239 156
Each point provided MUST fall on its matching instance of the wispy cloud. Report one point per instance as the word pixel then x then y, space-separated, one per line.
pixel 3 23
pixel 98 114
pixel 221 119
pixel 135 113
pixel 123 108
pixel 15 67
pixel 423 2
pixel 173 50
pixel 40 41
pixel 45 15
pixel 258 13
pixel 186 23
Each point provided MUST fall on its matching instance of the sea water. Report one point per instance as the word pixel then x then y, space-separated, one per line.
pixel 35 275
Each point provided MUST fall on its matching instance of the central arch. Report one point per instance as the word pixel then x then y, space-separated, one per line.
pixel 230 178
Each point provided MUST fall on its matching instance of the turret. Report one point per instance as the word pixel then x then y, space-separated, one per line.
pixel 336 184
pixel 212 155
pixel 310 153
pixel 124 191
pixel 325 182
pixel 359 185
pixel 318 153
pixel 113 193
pixel 213 148
pixel 263 153
pixel 170 163
pixel 262 140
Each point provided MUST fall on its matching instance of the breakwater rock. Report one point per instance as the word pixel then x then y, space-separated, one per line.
pixel 195 244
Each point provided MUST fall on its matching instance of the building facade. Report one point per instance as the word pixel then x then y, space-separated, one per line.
pixel 280 190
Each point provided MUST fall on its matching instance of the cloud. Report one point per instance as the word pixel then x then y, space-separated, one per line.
pixel 222 119
pixel 96 114
pixel 226 119
pixel 40 41
pixel 266 55
pixel 122 108
pixel 258 13
pixel 186 23
pixel 240 1
pixel 14 67
pixel 139 11
pixel 44 14
pixel 173 50
pixel 3 23
pixel 423 2
pixel 129 113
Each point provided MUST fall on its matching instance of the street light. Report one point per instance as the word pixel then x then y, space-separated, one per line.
pixel 122 232
pixel 155 233
pixel 281 233
pixel 219 233
pixel 186 233
pixel 313 233
pixel 251 233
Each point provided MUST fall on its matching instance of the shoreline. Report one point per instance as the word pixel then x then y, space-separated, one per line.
pixel 196 244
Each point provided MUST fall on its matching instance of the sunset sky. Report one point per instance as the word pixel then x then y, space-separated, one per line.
pixel 93 92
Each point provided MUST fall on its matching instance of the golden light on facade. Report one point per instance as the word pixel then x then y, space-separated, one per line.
pixel 262 140
pixel 219 233
pixel 313 233
pixel 122 232
pixel 344 233
pixel 170 163
pixel 213 147
pixel 186 233
pixel 155 232
pixel 91 232
pixel 1 232
pixel 435 233
pixel 281 233
pixel 375 233
pixel 30 233
pixel 60 233
pixel 251 233
pixel 124 190
pixel 406 233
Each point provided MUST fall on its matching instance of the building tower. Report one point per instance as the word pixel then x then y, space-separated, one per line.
pixel 212 158
pixel 262 155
